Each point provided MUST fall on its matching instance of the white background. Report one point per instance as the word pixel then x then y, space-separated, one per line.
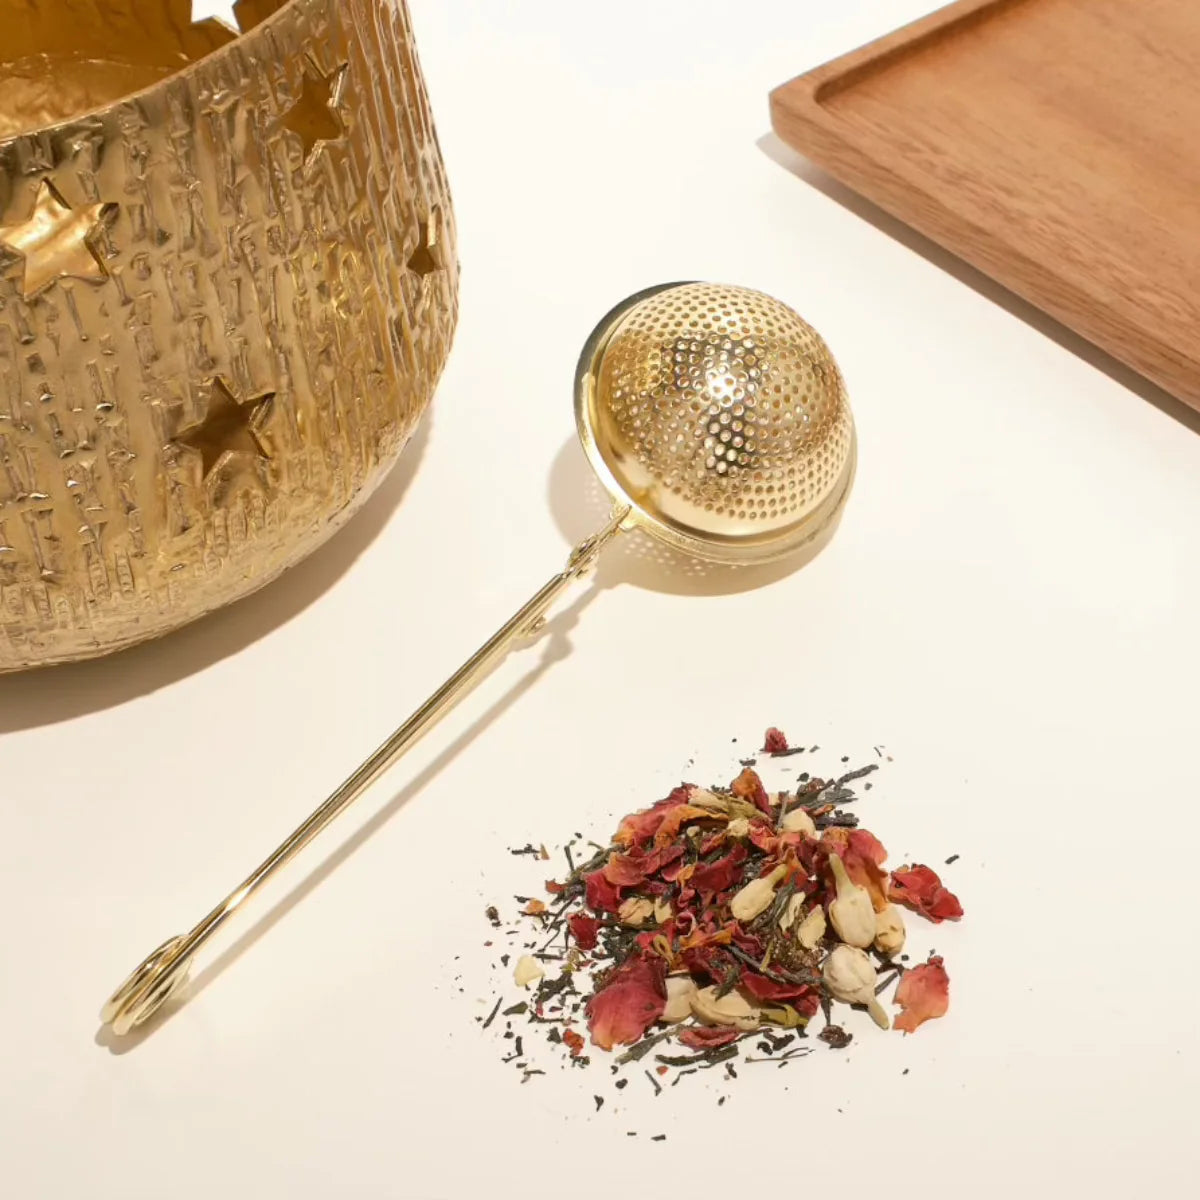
pixel 1010 606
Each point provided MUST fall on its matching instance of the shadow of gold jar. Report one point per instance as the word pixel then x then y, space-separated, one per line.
pixel 228 287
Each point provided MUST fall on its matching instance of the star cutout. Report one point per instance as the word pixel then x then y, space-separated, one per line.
pixel 313 116
pixel 229 427
pixel 56 241
pixel 427 257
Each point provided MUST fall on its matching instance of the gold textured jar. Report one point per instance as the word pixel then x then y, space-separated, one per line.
pixel 227 289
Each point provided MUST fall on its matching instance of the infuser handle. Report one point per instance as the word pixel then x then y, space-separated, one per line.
pixel 165 969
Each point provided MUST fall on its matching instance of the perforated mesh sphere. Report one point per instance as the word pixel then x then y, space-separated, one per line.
pixel 721 416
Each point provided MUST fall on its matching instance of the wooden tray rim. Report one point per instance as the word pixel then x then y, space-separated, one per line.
pixel 862 160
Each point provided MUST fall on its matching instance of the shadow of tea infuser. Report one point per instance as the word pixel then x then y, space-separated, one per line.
pixel 717 421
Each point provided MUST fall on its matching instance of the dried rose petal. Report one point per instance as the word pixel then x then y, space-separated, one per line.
pixel 769 990
pixel 677 870
pixel 703 1037
pixel 721 875
pixel 640 827
pixel 919 888
pixel 747 943
pixel 764 838
pixel 923 994
pixel 775 741
pixel 632 870
pixel 708 936
pixel 676 819
pixel 628 1004
pixel 625 870
pixel 602 896
pixel 864 843
pixel 575 1041
pixel 808 1004
pixel 535 908
pixel 748 786
pixel 584 930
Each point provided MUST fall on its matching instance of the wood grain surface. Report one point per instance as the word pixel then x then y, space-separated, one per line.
pixel 1050 143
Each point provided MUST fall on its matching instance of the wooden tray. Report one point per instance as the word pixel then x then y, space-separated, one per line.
pixel 1054 144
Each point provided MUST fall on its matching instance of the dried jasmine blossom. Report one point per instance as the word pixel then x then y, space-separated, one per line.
pixel 720 916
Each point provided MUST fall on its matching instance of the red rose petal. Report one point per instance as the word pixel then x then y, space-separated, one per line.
pixel 775 741
pixel 676 819
pixel 748 786
pixel 602 896
pixel 625 870
pixel 770 990
pixel 640 827
pixel 584 930
pixel 721 875
pixel 574 1041
pixel 865 845
pixel 708 1038
pixel 924 993
pixel 919 888
pixel 631 1001
pixel 764 838
pixel 808 1004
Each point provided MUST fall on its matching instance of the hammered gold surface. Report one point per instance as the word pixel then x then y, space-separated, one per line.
pixel 224 301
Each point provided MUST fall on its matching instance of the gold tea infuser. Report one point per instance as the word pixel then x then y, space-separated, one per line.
pixel 717 420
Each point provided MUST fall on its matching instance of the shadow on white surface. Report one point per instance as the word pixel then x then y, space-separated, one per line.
pixel 778 151
pixel 581 506
pixel 44 697
pixel 555 645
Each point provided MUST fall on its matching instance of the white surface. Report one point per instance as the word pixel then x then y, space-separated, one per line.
pixel 1009 606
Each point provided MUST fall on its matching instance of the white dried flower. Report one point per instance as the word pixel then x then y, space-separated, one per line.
pixel 809 928
pixel 797 820
pixel 850 976
pixel 703 798
pixel 663 911
pixel 812 929
pixel 731 1009
pixel 756 896
pixel 889 931
pixel 739 827
pixel 851 913
pixel 527 970
pixel 680 990
pixel 637 910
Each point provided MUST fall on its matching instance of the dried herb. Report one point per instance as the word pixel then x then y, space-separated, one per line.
pixel 835 1037
pixel 492 1015
pixel 703 924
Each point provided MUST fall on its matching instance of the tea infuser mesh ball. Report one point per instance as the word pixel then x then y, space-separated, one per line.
pixel 720 418
pixel 717 420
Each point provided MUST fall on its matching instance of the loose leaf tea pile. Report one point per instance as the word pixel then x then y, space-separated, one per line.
pixel 723 920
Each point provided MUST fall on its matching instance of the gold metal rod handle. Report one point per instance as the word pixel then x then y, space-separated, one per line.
pixel 165 968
